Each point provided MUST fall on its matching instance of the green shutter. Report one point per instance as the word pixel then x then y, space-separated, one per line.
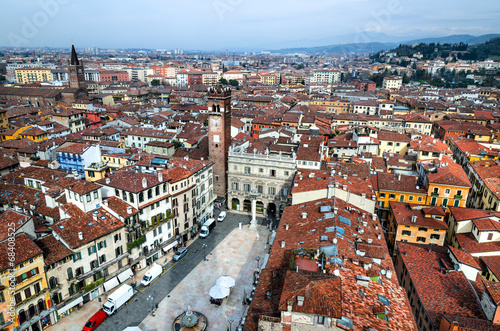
pixel 105 243
pixel 90 251
pixel 79 255
pixel 98 246
pixel 74 257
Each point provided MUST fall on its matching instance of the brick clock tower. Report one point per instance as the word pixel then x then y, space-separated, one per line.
pixel 219 135
pixel 76 74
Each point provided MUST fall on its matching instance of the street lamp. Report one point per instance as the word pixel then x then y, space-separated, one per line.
pixel 151 297
pixel 230 320
pixel 258 265
pixel 204 246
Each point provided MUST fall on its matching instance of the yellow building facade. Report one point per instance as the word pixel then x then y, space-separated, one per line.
pixel 27 292
pixel 32 75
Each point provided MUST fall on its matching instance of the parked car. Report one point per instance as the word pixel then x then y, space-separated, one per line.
pixel 180 254
pixel 95 321
pixel 222 216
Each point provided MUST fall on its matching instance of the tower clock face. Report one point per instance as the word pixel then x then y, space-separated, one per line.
pixel 215 121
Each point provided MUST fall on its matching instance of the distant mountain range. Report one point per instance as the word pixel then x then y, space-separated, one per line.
pixel 372 47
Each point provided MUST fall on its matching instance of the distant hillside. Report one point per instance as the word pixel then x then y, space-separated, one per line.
pixel 374 47
pixel 455 39
pixel 366 48
pixel 460 51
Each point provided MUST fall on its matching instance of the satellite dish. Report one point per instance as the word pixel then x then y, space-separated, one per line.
pixel 334 240
pixel 336 272
pixel 383 272
pixel 456 266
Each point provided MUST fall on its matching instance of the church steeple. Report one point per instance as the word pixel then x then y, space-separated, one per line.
pixel 76 73
pixel 74 58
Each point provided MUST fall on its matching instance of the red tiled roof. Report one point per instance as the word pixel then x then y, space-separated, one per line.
pixel 322 294
pixel 398 183
pixel 11 220
pixel 493 263
pixel 468 243
pixel 450 174
pixel 403 213
pixel 53 249
pixel 119 206
pixel 130 180
pixel 73 148
pixel 440 293
pixel 393 136
pixel 91 227
pixel 464 257
pixel 24 248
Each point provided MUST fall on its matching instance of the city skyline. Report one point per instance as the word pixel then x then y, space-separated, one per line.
pixel 237 24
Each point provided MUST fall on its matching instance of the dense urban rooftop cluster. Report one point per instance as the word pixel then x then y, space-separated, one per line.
pixel 387 193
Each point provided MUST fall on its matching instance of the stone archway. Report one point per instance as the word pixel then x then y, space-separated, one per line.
pixel 235 204
pixel 259 207
pixel 271 209
pixel 247 206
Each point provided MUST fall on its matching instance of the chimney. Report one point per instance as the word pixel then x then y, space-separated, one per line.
pixel 414 218
pixel 345 176
pixel 379 236
pixel 289 305
pixel 399 177
pixel 344 187
pixel 303 215
pixel 283 244
pixel 105 202
pixel 287 226
pixel 129 210
pixel 144 182
pixel 108 180
pixel 94 216
pixel 374 217
pixel 329 192
pixel 160 177
pixel 80 235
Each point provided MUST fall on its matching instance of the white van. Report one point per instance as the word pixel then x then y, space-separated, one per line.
pixel 152 274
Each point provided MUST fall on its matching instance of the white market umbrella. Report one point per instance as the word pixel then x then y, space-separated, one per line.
pixel 219 292
pixel 226 281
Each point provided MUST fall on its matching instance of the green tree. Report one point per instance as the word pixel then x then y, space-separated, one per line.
pixel 223 81
pixel 233 82
pixel 155 82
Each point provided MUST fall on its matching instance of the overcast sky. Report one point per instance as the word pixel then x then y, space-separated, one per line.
pixel 221 24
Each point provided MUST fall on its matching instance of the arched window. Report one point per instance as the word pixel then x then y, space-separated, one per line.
pixel 41 305
pixel 22 316
pixel 141 196
pixel 70 273
pixel 53 282
pixel 150 194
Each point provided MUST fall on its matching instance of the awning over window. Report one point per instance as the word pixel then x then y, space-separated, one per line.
pixel 69 305
pixel 169 246
pixel 110 284
pixel 125 275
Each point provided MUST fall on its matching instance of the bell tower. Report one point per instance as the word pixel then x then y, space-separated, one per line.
pixel 75 70
pixel 219 134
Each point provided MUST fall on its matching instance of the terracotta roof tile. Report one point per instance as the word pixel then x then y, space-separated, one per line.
pixel 53 249
pixel 24 247
pixel 439 292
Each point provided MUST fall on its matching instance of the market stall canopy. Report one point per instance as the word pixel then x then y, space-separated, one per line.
pixel 219 292
pixel 226 281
